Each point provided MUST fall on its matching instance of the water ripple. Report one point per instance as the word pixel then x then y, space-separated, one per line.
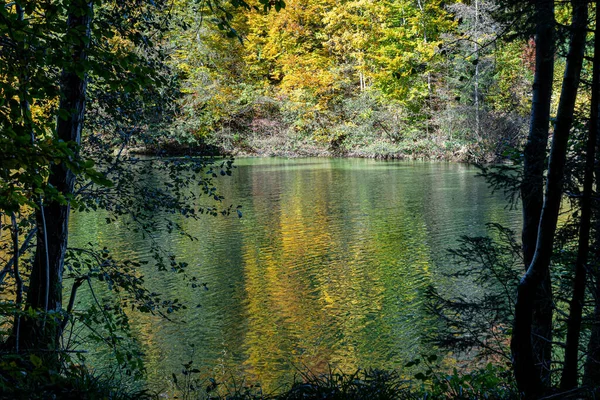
pixel 327 266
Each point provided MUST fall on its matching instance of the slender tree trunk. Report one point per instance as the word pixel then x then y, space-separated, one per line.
pixel 476 85
pixel 45 287
pixel 429 88
pixel 18 280
pixel 591 374
pixel 530 384
pixel 361 78
pixel 570 368
pixel 532 192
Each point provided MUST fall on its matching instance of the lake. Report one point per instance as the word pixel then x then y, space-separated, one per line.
pixel 327 267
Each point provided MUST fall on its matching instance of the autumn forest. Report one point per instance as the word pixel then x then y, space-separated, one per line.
pixel 367 79
pixel 271 199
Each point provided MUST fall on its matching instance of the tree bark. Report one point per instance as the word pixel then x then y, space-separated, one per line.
pixel 530 384
pixel 45 287
pixel 476 77
pixel 591 374
pixel 532 187
pixel 570 368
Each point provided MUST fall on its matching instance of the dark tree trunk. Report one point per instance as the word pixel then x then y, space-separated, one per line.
pixel 570 368
pixel 529 383
pixel 45 287
pixel 532 188
pixel 591 374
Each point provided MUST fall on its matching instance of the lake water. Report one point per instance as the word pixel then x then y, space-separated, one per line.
pixel 327 267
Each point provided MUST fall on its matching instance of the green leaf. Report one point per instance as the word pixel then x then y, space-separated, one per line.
pixel 35 360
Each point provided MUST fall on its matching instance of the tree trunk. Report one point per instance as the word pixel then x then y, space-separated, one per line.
pixel 45 287
pixel 476 77
pixel 591 374
pixel 532 192
pixel 530 384
pixel 570 368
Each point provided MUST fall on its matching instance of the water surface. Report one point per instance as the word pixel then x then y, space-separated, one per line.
pixel 328 266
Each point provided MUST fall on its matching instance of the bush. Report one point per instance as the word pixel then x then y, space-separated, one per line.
pixel 25 377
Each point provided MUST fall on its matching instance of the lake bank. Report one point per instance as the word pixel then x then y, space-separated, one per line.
pixel 277 146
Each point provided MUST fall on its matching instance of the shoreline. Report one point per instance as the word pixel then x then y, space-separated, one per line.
pixel 462 153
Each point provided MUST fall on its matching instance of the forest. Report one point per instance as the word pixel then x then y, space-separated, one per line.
pixel 428 226
pixel 382 80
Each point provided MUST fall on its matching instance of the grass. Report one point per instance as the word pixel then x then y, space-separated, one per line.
pixel 488 382
pixel 76 383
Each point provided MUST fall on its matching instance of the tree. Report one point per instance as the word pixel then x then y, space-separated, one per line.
pixel 57 59
pixel 569 378
pixel 523 357
pixel 570 176
pixel 52 217
pixel 533 181
pixel 406 52
pixel 60 77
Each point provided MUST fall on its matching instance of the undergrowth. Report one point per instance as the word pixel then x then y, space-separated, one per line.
pixel 421 379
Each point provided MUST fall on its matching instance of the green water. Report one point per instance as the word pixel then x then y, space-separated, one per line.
pixel 328 266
